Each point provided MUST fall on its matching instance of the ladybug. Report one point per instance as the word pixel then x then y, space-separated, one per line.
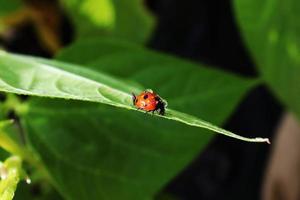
pixel 150 102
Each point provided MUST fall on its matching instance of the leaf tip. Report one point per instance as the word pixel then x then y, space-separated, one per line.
pixel 265 140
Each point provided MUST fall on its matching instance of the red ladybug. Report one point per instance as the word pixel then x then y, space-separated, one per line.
pixel 150 102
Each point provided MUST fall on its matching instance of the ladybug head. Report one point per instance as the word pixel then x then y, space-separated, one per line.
pixel 161 107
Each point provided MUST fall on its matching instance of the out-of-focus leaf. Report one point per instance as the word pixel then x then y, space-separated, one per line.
pixel 127 19
pixel 271 30
pixel 11 173
pixel 92 12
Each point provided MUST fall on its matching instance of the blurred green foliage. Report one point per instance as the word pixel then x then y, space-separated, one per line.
pixel 271 29
pixel 126 19
pixel 12 170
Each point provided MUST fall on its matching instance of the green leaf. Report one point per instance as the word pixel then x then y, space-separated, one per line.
pixel 271 31
pixel 100 13
pixel 45 78
pixel 189 93
pixel 11 174
pixel 95 151
pixel 104 46
pixel 127 19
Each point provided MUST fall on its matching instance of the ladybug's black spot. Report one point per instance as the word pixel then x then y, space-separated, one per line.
pixel 146 96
